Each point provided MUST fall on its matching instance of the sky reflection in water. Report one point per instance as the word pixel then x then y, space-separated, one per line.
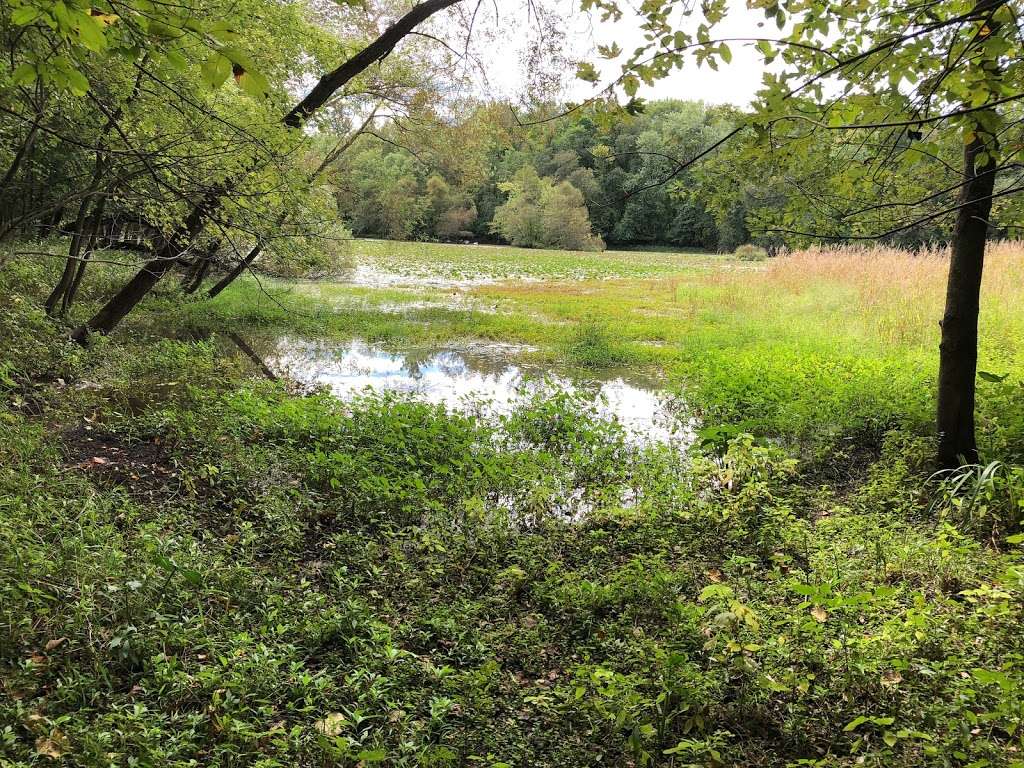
pixel 460 379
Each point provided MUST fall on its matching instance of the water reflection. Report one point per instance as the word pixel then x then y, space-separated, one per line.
pixel 462 379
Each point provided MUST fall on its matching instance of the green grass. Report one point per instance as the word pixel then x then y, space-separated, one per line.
pixel 203 568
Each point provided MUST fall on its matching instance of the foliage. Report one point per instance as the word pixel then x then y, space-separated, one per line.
pixel 206 567
pixel 602 155
pixel 988 499
pixel 543 214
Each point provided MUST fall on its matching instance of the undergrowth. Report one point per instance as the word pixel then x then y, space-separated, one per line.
pixel 200 568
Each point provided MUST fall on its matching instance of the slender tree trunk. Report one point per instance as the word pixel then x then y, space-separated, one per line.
pixel 958 350
pixel 198 273
pixel 72 291
pixel 131 294
pixel 71 264
pixel 237 270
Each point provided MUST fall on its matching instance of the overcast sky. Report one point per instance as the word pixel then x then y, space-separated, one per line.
pixel 734 83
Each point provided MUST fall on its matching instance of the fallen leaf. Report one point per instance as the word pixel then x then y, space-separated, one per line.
pixel 52 746
pixel 99 460
pixel 332 725
pixel 819 614
pixel 56 643
pixel 891 678
pixel 714 575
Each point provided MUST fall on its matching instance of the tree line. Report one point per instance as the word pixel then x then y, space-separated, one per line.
pixel 562 183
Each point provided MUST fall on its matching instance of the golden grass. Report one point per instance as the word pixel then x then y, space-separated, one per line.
pixel 880 272
pixel 901 292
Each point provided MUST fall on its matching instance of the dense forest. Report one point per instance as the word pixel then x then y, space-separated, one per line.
pixel 354 411
pixel 506 177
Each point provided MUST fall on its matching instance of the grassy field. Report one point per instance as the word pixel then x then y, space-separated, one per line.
pixel 201 567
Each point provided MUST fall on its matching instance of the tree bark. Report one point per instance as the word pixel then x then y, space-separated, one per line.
pixel 958 350
pixel 107 318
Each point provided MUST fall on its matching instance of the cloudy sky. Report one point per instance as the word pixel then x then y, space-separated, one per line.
pixel 734 83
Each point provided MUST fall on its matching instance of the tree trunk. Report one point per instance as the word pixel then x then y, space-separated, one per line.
pixel 958 351
pixel 198 273
pixel 125 300
pixel 114 311
pixel 72 291
pixel 71 264
pixel 238 269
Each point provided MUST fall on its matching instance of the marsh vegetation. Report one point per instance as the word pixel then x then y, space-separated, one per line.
pixel 356 408
pixel 204 563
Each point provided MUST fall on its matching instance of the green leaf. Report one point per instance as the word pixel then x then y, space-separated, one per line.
pixel 24 74
pixel 587 72
pixel 854 723
pixel 725 53
pixel 254 84
pixel 90 31
pixel 889 738
pixel 215 70
pixel 237 56
pixel 25 15
pixel 60 13
pixel 993 377
pixel 713 591
pixel 76 81
pixel 177 61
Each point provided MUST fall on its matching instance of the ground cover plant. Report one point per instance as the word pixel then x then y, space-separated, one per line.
pixel 205 567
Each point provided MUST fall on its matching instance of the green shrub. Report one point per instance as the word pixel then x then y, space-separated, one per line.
pixel 985 499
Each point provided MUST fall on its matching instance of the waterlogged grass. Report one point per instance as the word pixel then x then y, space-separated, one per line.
pixel 503 262
pixel 811 346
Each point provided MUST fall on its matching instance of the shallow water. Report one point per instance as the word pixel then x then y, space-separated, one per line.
pixel 462 379
pixel 366 276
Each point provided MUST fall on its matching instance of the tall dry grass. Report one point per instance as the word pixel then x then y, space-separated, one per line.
pixel 902 291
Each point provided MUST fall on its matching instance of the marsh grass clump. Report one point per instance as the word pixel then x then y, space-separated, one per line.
pixel 750 252
pixel 987 499
pixel 592 345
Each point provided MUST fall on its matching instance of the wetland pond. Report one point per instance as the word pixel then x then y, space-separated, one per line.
pixel 467 378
